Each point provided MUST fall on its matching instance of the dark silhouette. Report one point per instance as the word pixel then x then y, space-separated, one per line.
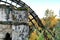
pixel 7 37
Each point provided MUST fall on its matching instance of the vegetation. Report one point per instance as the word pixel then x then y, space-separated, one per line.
pixel 51 24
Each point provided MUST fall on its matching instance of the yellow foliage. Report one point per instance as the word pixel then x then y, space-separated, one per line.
pixel 53 22
pixel 33 36
pixel 43 22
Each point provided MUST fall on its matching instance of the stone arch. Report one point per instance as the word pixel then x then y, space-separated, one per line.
pixel 30 11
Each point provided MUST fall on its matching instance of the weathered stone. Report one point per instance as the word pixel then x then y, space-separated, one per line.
pixel 20 32
pixel 17 32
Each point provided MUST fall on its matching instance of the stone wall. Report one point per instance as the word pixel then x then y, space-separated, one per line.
pixel 20 32
pixel 17 32
pixel 5 29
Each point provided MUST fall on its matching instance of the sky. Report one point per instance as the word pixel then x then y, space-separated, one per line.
pixel 39 6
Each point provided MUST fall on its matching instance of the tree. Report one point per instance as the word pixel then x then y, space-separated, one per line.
pixel 50 19
pixel 50 22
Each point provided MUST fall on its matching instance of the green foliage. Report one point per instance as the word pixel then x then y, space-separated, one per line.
pixel 57 28
pixel 41 36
